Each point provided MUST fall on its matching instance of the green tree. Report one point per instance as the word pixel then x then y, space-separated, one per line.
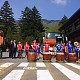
pixel 25 23
pixel 63 20
pixel 9 34
pixel 1 23
pixel 30 23
pixel 36 22
pixel 6 16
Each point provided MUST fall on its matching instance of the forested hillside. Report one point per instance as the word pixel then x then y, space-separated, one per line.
pixel 51 25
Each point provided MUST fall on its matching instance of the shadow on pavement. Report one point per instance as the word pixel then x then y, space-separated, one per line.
pixel 12 58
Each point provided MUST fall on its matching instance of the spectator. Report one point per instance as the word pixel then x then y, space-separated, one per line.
pixel 15 48
pixel 11 49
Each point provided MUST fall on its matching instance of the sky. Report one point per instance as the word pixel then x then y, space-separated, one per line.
pixel 49 9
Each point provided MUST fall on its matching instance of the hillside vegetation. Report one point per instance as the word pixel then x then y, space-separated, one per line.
pixel 51 25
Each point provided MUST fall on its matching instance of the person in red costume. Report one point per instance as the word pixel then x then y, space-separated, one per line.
pixel 34 46
pixel 26 48
pixel 65 50
pixel 19 48
pixel 46 47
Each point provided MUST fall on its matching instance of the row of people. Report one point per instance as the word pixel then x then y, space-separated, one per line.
pixel 36 47
pixel 65 47
pixel 13 47
pixel 69 48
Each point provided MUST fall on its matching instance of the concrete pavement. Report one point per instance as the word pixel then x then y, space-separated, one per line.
pixel 20 69
pixel 39 71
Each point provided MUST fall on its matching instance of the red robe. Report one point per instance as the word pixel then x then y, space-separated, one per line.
pixel 46 47
pixel 34 46
pixel 19 46
pixel 26 46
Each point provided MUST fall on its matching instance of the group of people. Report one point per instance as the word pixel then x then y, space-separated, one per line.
pixel 13 47
pixel 35 47
pixel 69 48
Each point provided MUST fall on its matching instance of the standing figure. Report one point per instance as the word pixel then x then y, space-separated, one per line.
pixel 70 47
pixel 34 46
pixel 58 47
pixel 15 48
pixel 19 47
pixel 38 50
pixel 0 50
pixel 76 49
pixel 65 50
pixel 79 51
pixel 26 48
pixel 63 47
pixel 1 42
pixel 46 47
pixel 11 49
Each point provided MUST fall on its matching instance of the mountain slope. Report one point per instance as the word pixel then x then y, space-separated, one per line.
pixel 51 25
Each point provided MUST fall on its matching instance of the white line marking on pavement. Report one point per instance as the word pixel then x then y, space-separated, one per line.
pixel 74 65
pixel 40 64
pixel 6 65
pixel 14 75
pixel 44 75
pixel 23 64
pixel 70 74
pixel 31 68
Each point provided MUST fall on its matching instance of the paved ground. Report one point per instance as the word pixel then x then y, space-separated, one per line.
pixel 21 69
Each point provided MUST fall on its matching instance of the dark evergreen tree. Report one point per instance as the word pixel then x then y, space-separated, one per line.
pixel 6 16
pixel 25 26
pixel 1 23
pixel 9 34
pixel 36 22
pixel 30 23
pixel 63 20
